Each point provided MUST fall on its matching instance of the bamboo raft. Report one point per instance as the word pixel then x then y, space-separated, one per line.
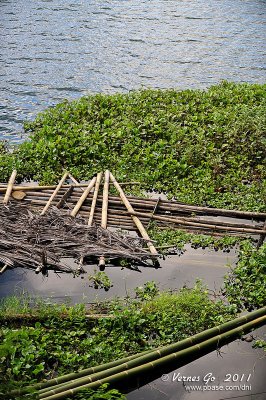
pixel 42 233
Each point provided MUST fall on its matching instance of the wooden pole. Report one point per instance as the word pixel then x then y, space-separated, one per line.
pixel 65 196
pixel 75 181
pixel 95 195
pixel 175 220
pixel 136 220
pixel 10 186
pixel 104 211
pixel 48 187
pixel 83 197
pixel 54 193
pixel 165 205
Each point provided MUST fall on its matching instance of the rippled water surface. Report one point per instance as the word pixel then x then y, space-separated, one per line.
pixel 57 49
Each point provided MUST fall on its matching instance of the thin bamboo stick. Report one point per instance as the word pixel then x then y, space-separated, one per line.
pixel 10 186
pixel 83 197
pixel 75 181
pixel 104 211
pixel 47 187
pixel 54 193
pixel 136 220
pixel 94 199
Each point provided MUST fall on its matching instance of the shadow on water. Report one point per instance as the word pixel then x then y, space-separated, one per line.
pixel 236 372
pixel 175 272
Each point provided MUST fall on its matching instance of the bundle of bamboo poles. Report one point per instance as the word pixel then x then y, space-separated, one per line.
pixel 146 366
pixel 134 213
pixel 73 246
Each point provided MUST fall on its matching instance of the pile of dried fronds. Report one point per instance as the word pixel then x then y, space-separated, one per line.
pixel 42 242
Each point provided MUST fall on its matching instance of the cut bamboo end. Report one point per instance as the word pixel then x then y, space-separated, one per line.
pixel 101 263
pixel 18 194
pixel 38 269
pixel 10 186
pixel 2 270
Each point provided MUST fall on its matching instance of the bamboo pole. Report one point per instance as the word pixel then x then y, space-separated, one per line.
pixel 136 220
pixel 158 352
pixel 83 197
pixel 142 365
pixel 54 193
pixel 104 211
pixel 65 196
pixel 119 208
pixel 152 355
pixel 10 186
pixel 196 224
pixel 48 187
pixel 94 199
pixel 61 380
pixel 128 224
pixel 75 181
pixel 173 206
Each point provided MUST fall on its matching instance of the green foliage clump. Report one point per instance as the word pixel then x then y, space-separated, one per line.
pixel 200 146
pixel 148 291
pixel 245 287
pixel 100 280
pixel 59 345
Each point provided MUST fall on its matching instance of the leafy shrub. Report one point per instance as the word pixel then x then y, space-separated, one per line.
pixel 245 287
pixel 204 147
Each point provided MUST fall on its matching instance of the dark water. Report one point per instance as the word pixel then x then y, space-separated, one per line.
pixel 57 49
pixel 175 272
pixel 236 361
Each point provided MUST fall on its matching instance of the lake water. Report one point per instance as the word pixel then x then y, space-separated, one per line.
pixel 61 49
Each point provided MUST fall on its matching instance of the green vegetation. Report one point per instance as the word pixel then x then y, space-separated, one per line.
pixel 56 345
pixel 245 287
pixel 100 280
pixel 204 147
pixel 179 238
